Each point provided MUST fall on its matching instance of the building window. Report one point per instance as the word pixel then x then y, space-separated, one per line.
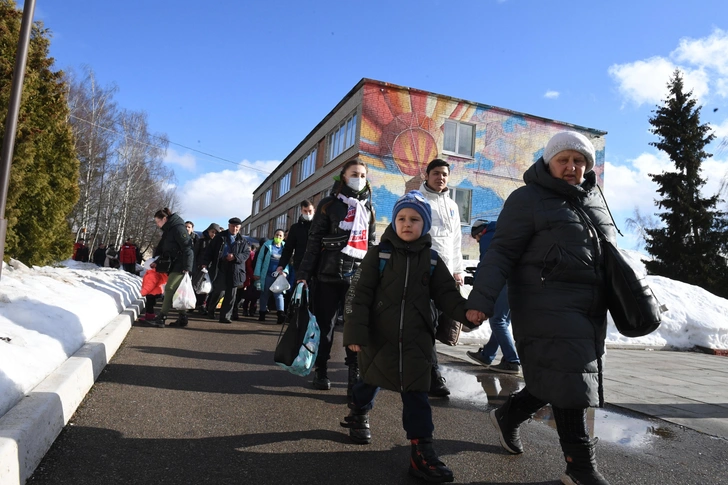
pixel 308 165
pixel 458 138
pixel 281 221
pixel 255 232
pixel 463 198
pixel 267 197
pixel 296 213
pixel 284 185
pixel 342 138
pixel 256 206
pixel 264 230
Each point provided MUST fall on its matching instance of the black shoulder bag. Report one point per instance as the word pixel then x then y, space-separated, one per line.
pixel 632 303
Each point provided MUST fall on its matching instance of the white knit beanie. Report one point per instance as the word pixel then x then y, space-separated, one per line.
pixel 570 140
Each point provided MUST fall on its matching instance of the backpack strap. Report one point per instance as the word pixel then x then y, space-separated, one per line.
pixel 385 253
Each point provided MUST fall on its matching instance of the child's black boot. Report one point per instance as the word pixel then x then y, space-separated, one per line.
pixel 281 317
pixel 358 423
pixel 425 464
pixel 581 464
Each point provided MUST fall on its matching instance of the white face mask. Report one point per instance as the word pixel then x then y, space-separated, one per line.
pixel 307 217
pixel 356 183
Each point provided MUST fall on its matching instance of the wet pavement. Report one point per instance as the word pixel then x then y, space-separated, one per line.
pixel 206 404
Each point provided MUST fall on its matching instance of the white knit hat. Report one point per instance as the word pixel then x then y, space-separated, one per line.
pixel 570 140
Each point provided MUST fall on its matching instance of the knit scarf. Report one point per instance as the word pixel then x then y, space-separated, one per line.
pixel 356 221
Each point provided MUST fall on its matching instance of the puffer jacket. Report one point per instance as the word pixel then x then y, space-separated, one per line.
pixel 331 265
pixel 176 243
pixel 446 231
pixel 262 262
pixel 556 286
pixel 380 308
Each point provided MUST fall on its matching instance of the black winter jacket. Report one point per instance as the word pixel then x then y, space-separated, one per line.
pixel 389 314
pixel 331 265
pixel 556 284
pixel 240 249
pixel 176 243
pixel 296 241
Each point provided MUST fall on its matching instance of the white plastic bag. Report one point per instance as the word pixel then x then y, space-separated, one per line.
pixel 280 284
pixel 184 297
pixel 205 285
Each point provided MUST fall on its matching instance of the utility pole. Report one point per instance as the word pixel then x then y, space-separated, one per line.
pixel 11 121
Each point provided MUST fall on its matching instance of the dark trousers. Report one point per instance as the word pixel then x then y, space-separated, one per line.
pixel 151 300
pixel 223 284
pixel 250 298
pixel 416 410
pixel 200 301
pixel 130 267
pixel 326 300
pixel 570 423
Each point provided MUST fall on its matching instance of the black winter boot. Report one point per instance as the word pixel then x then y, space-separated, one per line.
pixel 181 321
pixel 261 316
pixel 425 464
pixel 506 420
pixel 157 321
pixel 321 379
pixel 354 377
pixel 581 464
pixel 358 423
pixel 281 317
pixel 437 385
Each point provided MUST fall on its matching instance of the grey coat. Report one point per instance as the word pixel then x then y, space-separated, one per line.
pixel 555 276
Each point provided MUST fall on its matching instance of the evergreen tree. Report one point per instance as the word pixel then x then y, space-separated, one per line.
pixel 691 245
pixel 44 173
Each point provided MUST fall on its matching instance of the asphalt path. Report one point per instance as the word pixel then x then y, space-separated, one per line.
pixel 206 405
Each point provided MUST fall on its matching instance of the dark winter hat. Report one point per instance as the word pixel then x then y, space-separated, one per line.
pixel 213 227
pixel 478 227
pixel 570 140
pixel 414 200
pixel 235 220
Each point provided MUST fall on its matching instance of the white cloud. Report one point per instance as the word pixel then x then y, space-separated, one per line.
pixel 721 130
pixel 551 94
pixel 218 196
pixel 704 63
pixel 184 160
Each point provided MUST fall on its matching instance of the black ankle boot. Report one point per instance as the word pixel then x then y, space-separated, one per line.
pixel 281 317
pixel 358 423
pixel 581 464
pixel 354 377
pixel 181 321
pixel 321 379
pixel 507 419
pixel 437 385
pixel 261 316
pixel 425 464
pixel 157 321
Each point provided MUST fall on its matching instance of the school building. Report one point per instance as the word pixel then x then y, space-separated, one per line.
pixel 397 131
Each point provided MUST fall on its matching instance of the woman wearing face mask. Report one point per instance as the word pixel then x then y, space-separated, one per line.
pixel 266 270
pixel 341 232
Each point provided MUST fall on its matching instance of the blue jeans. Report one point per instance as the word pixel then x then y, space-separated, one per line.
pixel 269 279
pixel 500 336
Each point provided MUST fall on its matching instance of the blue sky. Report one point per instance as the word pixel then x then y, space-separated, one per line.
pixel 246 81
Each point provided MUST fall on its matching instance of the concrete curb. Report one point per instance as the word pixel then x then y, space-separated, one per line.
pixel 29 429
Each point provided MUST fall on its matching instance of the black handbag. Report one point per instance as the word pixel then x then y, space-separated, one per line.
pixel 294 331
pixel 630 300
pixel 163 264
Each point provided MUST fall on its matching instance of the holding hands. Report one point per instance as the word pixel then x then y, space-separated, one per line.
pixel 476 317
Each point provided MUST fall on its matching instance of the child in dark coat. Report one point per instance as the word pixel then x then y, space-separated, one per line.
pixel 389 321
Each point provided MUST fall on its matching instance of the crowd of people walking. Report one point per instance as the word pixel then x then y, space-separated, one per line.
pixel 540 273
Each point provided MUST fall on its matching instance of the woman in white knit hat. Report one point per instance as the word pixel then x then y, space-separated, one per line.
pixel 546 250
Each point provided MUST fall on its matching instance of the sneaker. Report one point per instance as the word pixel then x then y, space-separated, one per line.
pixel 425 464
pixel 508 433
pixel 438 388
pixel 478 357
pixel 506 367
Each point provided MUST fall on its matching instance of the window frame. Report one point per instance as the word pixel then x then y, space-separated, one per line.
pixel 464 218
pixel 284 184
pixel 256 206
pixel 342 138
pixel 458 126
pixel 308 161
pixel 268 197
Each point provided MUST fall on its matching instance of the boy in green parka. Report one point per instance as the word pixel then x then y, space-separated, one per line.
pixel 389 321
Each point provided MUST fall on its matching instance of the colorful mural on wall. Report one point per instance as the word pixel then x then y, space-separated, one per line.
pixel 402 131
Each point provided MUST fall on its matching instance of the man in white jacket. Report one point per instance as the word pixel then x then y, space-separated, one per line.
pixel 446 240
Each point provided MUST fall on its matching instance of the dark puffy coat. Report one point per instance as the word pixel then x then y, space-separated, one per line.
pixel 240 249
pixel 296 241
pixel 555 285
pixel 176 243
pixel 331 265
pixel 380 307
pixel 99 256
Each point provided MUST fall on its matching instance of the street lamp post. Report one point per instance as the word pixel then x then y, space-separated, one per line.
pixel 11 121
